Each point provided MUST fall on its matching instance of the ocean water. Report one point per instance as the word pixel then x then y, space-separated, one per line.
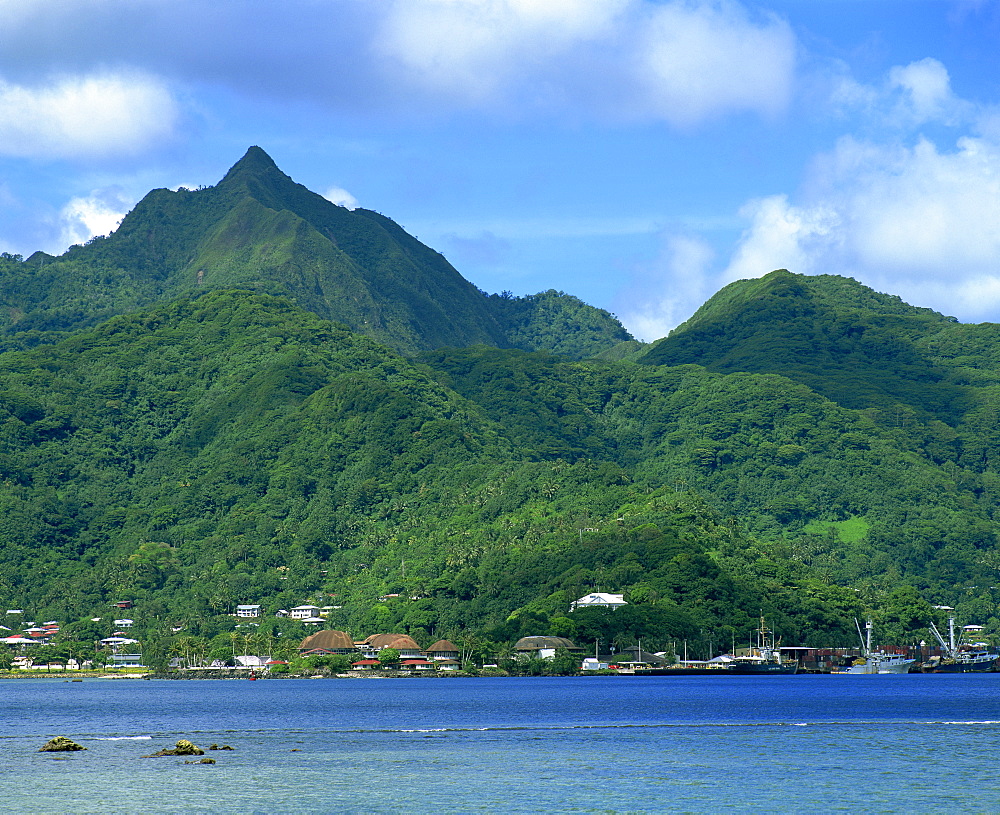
pixel 577 744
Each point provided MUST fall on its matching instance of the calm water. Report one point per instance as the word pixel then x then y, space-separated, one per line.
pixel 591 744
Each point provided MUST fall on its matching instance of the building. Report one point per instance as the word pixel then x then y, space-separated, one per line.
pixel 443 649
pixel 248 611
pixel 304 612
pixel 126 661
pixel 599 599
pixel 417 664
pixel 543 647
pixel 251 661
pixel 328 642
pixel 403 643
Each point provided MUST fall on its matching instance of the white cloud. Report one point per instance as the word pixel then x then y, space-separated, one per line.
pixel 781 236
pixel 341 198
pixel 666 292
pixel 699 60
pixel 918 221
pixel 76 116
pixel 927 86
pixel 681 62
pixel 910 96
pixel 474 49
pixel 97 214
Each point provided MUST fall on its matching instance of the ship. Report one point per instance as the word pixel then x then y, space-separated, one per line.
pixel 958 658
pixel 762 658
pixel 875 662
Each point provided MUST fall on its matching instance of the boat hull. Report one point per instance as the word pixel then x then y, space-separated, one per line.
pixel 725 670
pixel 983 664
pixel 879 666
pixel 766 668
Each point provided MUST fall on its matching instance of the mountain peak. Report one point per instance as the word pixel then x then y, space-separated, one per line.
pixel 255 164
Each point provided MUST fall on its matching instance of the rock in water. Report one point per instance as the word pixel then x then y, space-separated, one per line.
pixel 182 748
pixel 60 744
pixel 186 748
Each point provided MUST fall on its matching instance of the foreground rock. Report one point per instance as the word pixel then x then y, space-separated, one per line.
pixel 182 748
pixel 60 744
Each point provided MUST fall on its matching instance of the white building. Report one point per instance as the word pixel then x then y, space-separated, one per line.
pixel 599 599
pixel 304 612
pixel 248 611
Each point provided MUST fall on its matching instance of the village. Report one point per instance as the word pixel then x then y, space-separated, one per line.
pixel 32 648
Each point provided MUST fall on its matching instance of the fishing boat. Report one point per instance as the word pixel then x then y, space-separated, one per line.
pixel 762 658
pixel 958 658
pixel 875 662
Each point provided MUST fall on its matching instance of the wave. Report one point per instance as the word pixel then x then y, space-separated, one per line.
pixel 294 733
pixel 120 738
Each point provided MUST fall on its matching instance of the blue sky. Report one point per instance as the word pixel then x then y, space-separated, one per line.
pixel 639 154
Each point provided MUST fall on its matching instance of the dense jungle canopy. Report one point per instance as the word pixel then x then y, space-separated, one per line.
pixel 247 394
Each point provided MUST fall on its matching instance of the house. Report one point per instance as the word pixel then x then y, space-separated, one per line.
pixel 117 642
pixel 304 612
pixel 248 611
pixel 328 642
pixel 543 647
pixel 252 662
pixel 599 599
pixel 443 649
pixel 123 604
pixel 404 644
pixel 124 623
pixel 126 661
pixel 447 664
pixel 418 664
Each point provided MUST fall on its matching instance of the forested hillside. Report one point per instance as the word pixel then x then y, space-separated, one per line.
pixel 247 394
pixel 234 448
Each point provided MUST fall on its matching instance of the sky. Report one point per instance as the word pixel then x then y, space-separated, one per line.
pixel 639 154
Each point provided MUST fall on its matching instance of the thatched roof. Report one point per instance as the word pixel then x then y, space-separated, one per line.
pixel 401 642
pixel 327 641
pixel 534 643
pixel 443 646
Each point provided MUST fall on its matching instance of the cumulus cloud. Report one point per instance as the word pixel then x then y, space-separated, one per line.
pixel 699 60
pixel 679 61
pixel 910 96
pixel 781 235
pixel 99 213
pixel 918 221
pixel 667 291
pixel 341 198
pixel 73 116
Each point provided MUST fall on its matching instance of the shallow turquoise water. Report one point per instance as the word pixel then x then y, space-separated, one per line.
pixel 589 744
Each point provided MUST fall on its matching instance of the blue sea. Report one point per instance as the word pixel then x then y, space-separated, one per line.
pixel 925 743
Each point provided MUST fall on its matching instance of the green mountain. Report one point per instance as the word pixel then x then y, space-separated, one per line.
pixel 182 425
pixel 259 230
pixel 855 346
pixel 234 448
